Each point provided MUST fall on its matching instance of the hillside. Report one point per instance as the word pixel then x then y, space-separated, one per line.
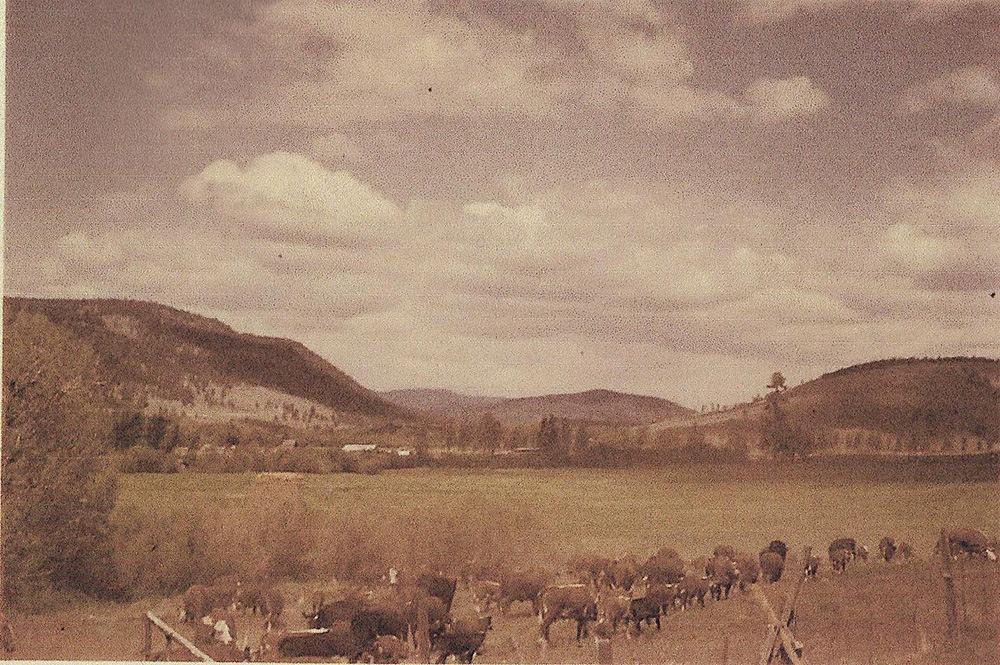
pixel 897 404
pixel 442 402
pixel 167 355
pixel 595 406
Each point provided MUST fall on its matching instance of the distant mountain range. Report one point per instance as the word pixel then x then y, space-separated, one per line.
pixel 185 363
pixel 595 406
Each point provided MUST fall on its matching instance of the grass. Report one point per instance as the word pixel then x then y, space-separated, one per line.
pixel 614 512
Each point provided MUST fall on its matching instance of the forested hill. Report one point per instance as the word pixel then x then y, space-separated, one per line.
pixel 162 352
pixel 907 397
pixel 905 404
pixel 596 406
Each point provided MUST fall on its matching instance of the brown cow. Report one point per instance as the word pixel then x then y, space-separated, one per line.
pixel 771 566
pixel 812 566
pixel 522 587
pixel 691 589
pixel 748 567
pixel 887 548
pixel 576 602
pixel 839 560
pixel 722 574
pixel 967 541
pixel 612 608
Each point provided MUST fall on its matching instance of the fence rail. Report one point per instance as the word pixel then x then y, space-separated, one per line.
pixel 150 620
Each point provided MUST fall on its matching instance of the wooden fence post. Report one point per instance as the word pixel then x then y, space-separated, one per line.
pixel 949 584
pixel 604 653
pixel 147 638
pixel 423 630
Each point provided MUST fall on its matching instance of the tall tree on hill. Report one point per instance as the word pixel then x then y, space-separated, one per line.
pixel 57 495
pixel 780 436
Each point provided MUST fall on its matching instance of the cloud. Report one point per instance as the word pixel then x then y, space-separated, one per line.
pixel 976 87
pixel 775 100
pixel 291 194
pixel 88 252
pixel 391 60
pixel 774 11
pixel 914 249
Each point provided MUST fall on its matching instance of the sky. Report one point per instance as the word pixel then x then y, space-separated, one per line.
pixel 523 197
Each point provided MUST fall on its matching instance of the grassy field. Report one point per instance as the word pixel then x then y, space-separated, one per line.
pixel 615 512
pixel 877 613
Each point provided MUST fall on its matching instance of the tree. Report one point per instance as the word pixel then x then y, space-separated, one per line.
pixel 57 495
pixel 780 435
pixel 490 432
pixel 777 382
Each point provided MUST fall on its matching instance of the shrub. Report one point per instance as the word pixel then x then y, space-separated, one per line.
pixel 146 460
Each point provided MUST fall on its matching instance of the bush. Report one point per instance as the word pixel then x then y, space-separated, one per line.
pixel 146 460
pixel 57 493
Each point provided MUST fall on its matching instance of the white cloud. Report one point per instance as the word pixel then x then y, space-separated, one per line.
pixel 972 86
pixel 773 11
pixel 775 100
pixel 293 194
pixel 914 249
pixel 82 249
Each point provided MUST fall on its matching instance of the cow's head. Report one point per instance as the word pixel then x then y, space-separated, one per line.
pixel 990 554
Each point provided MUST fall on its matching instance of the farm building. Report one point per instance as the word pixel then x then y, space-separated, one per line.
pixel 288 444
pixel 359 448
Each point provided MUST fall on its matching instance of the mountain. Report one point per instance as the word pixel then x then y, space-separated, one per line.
pixel 896 404
pixel 443 402
pixel 175 358
pixel 596 406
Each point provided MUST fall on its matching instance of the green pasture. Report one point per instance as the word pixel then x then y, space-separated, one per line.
pixel 610 511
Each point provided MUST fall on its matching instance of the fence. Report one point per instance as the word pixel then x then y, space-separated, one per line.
pixel 151 621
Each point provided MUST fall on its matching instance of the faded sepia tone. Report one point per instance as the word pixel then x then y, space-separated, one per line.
pixel 526 330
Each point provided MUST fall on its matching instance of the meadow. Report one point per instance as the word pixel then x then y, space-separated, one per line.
pixel 615 512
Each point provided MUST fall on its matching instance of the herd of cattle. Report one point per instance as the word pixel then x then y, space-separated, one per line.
pixel 378 624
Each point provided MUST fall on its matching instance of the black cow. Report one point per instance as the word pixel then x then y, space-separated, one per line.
pixel 643 609
pixel 462 638
pixel 371 622
pixel 439 586
pixel 777 546
pixel 569 601
pixel 338 640
pixel 335 611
